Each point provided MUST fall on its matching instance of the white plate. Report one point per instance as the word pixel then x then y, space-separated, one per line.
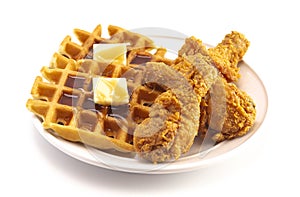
pixel 128 162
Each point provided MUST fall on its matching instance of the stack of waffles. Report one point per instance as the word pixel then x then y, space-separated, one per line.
pixel 63 97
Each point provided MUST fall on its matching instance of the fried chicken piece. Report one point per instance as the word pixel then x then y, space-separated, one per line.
pixel 228 111
pixel 173 121
pixel 170 131
pixel 227 54
pixel 196 66
pixel 198 72
pixel 224 108
pixel 153 143
pixel 213 109
pixel 193 46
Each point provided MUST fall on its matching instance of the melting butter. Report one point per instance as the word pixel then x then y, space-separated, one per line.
pixel 110 53
pixel 110 91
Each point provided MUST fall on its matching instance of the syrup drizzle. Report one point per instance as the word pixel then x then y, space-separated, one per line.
pixel 75 82
pixel 141 59
pixel 68 99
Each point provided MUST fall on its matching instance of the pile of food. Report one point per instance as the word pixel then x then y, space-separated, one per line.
pixel 122 93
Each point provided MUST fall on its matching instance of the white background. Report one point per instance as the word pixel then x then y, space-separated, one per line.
pixel 267 164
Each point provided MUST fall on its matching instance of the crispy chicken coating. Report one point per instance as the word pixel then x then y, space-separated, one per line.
pixel 196 66
pixel 226 111
pixel 224 108
pixel 173 121
pixel 198 72
pixel 193 46
pixel 221 106
pixel 227 54
pixel 156 134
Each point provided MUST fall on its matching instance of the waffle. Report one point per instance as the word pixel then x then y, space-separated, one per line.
pixel 76 51
pixel 137 41
pixel 65 104
pixel 63 97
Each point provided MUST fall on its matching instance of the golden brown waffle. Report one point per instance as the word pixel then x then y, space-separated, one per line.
pixel 64 98
pixel 79 51
pixel 141 100
pixel 136 41
pixel 141 56
pixel 65 104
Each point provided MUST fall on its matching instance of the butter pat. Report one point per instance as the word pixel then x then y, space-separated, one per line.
pixel 110 53
pixel 110 91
